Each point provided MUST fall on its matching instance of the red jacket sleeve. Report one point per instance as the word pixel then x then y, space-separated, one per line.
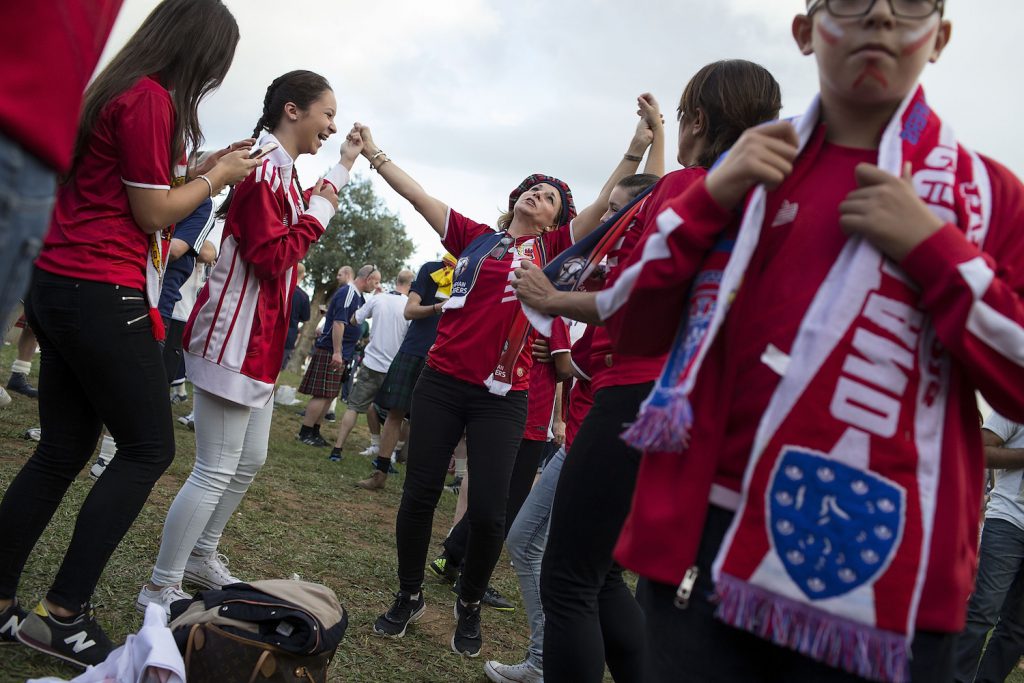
pixel 974 297
pixel 643 306
pixel 256 218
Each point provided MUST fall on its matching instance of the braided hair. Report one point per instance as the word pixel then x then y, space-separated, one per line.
pixel 301 88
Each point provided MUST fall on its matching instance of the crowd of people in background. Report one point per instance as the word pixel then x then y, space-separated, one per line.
pixel 751 381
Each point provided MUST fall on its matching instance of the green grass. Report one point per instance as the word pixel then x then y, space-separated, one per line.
pixel 303 516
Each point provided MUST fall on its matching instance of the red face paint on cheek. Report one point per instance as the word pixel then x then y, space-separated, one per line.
pixel 919 43
pixel 827 36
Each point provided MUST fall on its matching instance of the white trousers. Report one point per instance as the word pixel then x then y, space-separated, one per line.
pixel 231 447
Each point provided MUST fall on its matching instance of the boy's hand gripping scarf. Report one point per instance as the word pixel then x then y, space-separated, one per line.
pixel 829 549
pixel 572 267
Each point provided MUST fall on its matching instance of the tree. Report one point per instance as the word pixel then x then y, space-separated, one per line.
pixel 363 231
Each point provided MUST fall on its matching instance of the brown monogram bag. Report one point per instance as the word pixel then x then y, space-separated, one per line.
pixel 216 656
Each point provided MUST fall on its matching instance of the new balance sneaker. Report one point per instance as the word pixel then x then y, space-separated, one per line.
pixel 523 672
pixel 404 611
pixel 10 620
pixel 209 571
pixel 163 597
pixel 466 640
pixel 80 641
pixel 19 383
pixel 446 569
pixel 371 451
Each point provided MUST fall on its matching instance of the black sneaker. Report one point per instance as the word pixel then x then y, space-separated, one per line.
pixel 404 611
pixel 10 622
pixel 80 642
pixel 495 600
pixel 446 569
pixel 330 417
pixel 315 440
pixel 19 383
pixel 466 640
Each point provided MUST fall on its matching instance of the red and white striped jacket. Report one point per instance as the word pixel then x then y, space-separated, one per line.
pixel 234 339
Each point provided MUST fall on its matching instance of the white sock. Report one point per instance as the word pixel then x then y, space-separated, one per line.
pixel 108 448
pixel 21 367
pixel 375 439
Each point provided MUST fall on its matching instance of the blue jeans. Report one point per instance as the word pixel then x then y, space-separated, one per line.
pixel 26 201
pixel 998 600
pixel 526 542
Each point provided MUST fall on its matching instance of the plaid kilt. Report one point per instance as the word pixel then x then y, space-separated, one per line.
pixel 396 392
pixel 320 381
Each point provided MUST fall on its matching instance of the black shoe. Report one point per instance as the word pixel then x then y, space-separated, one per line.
pixel 446 569
pixel 466 640
pixel 392 469
pixel 454 486
pixel 330 417
pixel 80 642
pixel 19 383
pixel 404 611
pixel 10 622
pixel 315 440
pixel 495 600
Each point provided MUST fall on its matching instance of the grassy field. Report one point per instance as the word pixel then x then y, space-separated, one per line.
pixel 302 515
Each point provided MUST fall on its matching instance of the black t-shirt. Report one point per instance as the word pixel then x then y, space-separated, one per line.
pixel 423 331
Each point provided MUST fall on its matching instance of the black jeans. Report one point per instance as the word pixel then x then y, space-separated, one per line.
pixel 691 645
pixel 445 408
pixel 590 614
pixel 527 461
pixel 99 366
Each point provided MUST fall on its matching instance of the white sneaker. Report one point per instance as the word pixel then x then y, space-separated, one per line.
pixel 163 597
pixel 5 398
pixel 210 571
pixel 188 421
pixel 34 433
pixel 372 451
pixel 523 672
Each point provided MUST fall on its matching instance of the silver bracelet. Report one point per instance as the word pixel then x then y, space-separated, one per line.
pixel 208 182
pixel 379 153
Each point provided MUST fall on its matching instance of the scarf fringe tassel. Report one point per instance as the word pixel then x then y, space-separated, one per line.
pixel 663 422
pixel 862 650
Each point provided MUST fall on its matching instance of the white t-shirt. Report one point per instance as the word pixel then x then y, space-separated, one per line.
pixel 388 331
pixel 1007 499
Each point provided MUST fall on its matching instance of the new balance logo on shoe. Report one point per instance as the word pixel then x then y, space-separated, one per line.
pixel 787 213
pixel 10 628
pixel 79 642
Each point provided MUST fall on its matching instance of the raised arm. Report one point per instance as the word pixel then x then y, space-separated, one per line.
pixel 649 129
pixel 433 210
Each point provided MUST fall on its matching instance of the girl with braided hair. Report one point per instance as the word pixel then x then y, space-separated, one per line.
pixel 234 339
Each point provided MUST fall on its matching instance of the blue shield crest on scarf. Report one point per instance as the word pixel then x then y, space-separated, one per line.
pixel 834 527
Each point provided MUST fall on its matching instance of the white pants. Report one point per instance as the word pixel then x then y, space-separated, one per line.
pixel 231 446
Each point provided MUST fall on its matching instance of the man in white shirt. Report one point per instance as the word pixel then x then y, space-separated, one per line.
pixel 389 327
pixel 998 598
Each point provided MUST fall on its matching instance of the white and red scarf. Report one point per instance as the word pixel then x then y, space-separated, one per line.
pixel 156 266
pixel 829 549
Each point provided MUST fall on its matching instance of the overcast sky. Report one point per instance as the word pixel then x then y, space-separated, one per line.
pixel 470 96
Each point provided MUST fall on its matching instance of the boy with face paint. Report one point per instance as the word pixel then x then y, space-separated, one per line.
pixel 820 521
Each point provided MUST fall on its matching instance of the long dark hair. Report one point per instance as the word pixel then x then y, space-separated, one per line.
pixel 735 95
pixel 301 88
pixel 189 45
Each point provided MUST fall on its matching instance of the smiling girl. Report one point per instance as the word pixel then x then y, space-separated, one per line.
pixel 235 336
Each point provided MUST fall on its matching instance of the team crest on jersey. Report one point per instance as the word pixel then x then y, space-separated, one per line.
pixel 570 271
pixel 835 527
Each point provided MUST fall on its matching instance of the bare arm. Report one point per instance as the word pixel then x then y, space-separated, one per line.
pixel 999 458
pixel 433 210
pixel 557 423
pixel 535 290
pixel 155 209
pixel 647 131
pixel 415 311
pixel 178 249
pixel 337 332
pixel 563 366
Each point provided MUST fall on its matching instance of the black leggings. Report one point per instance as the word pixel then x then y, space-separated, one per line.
pixel 445 408
pixel 590 614
pixel 99 366
pixel 527 461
